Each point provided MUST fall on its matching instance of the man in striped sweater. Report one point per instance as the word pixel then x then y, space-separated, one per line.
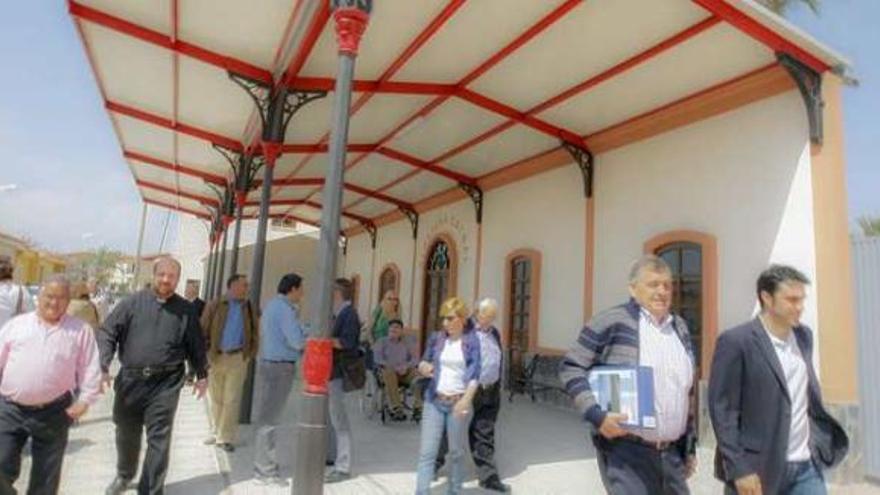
pixel 642 332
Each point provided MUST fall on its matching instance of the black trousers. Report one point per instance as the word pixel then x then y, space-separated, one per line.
pixel 481 433
pixel 47 428
pixel 629 468
pixel 145 402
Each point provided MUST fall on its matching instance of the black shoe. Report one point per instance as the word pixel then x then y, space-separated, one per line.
pixel 228 447
pixel 416 414
pixel 117 486
pixel 494 484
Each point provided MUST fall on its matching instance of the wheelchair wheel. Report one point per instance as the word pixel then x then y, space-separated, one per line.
pixel 370 400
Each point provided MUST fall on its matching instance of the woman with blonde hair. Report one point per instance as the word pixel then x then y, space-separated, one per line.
pixel 387 310
pixel 452 361
pixel 81 306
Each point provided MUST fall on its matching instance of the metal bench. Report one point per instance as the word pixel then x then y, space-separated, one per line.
pixel 540 374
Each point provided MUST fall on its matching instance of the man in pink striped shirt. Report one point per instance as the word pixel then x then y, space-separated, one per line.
pixel 44 357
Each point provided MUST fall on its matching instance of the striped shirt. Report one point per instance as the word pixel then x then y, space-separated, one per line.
pixel 611 337
pixel 662 350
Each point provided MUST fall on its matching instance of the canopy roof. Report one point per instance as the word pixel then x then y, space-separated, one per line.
pixel 447 91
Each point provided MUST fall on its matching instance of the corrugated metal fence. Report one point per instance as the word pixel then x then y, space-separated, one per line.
pixel 866 274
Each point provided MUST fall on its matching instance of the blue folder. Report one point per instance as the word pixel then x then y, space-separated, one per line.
pixel 626 389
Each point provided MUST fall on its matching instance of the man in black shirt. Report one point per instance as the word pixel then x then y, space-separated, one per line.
pixel 154 332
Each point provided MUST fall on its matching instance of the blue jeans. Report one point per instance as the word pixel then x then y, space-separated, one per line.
pixel 436 417
pixel 802 478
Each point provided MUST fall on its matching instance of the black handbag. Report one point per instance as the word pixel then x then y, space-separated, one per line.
pixel 354 370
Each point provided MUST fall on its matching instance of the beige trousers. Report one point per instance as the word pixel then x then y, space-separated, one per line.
pixel 225 387
pixel 392 379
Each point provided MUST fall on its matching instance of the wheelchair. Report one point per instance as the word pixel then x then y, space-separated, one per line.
pixel 374 398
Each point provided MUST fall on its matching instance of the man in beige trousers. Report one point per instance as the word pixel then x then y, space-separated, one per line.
pixel 230 326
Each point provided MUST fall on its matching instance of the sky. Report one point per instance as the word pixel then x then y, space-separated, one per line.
pixel 74 190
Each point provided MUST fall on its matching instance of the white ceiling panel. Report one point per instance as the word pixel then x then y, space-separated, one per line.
pixel 478 31
pixel 372 208
pixel 145 138
pixel 589 40
pixel 375 171
pixel 381 115
pixel 250 31
pixel 393 25
pixel 517 143
pixel 419 187
pixel 131 71
pixel 211 101
pixel 198 153
pixel 717 55
pixel 451 124
pixel 154 14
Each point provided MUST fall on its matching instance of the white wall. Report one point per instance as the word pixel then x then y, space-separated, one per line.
pixel 743 177
pixel 519 216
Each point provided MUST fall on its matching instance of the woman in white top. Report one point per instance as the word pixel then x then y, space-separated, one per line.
pixel 452 360
pixel 14 299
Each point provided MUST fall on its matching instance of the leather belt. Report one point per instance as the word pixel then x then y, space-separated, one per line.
pixel 448 399
pixel 654 445
pixel 229 353
pixel 148 371
pixel 62 399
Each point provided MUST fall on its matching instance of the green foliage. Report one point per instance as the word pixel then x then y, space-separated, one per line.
pixel 781 6
pixel 98 265
pixel 870 225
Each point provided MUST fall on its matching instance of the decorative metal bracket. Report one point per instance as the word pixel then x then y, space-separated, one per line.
pixel 244 166
pixel 371 229
pixel 584 159
pixel 476 195
pixel 413 217
pixel 225 198
pixel 276 106
pixel 809 83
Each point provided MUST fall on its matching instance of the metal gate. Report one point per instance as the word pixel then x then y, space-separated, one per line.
pixel 866 275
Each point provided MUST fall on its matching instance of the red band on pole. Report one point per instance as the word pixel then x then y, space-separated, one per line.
pixel 227 220
pixel 271 151
pixel 350 26
pixel 317 364
pixel 240 198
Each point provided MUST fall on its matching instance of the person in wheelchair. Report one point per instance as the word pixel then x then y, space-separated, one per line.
pixel 397 357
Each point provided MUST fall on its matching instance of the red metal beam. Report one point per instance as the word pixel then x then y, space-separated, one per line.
pixel 522 39
pixel 386 87
pixel 417 43
pixel 156 162
pixel 173 126
pixel 322 148
pixel 169 43
pixel 181 209
pixel 760 32
pixel 522 118
pixel 181 193
pixel 423 165
pixel 316 26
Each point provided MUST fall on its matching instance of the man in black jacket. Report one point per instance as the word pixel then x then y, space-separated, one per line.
pixel 774 435
pixel 346 333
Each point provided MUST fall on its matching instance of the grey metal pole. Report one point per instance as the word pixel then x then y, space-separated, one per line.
pixel 221 274
pixel 209 272
pixel 311 445
pixel 140 248
pixel 236 240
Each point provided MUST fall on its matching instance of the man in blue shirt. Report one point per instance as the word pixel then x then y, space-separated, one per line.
pixel 230 326
pixel 282 340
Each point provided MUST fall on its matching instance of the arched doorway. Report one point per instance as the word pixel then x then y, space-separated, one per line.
pixel 685 259
pixel 439 284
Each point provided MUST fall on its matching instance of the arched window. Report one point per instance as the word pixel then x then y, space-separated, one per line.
pixel 440 272
pixel 389 279
pixel 693 259
pixel 523 282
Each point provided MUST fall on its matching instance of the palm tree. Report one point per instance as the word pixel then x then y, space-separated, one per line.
pixel 870 225
pixel 780 6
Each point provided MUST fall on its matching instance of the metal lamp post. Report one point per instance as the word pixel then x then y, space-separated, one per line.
pixel 351 17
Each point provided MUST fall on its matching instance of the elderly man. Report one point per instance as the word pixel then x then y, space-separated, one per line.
pixel 282 339
pixel 399 356
pixel 642 332
pixel 44 355
pixel 154 330
pixel 230 328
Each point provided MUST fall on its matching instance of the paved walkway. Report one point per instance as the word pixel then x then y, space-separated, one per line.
pixel 541 450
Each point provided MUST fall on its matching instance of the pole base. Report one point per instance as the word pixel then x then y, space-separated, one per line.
pixel 311 445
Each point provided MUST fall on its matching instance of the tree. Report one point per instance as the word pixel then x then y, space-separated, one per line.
pixel 780 6
pixel 870 225
pixel 98 265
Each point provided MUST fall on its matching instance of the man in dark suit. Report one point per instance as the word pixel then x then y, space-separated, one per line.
pixel 346 333
pixel 774 435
